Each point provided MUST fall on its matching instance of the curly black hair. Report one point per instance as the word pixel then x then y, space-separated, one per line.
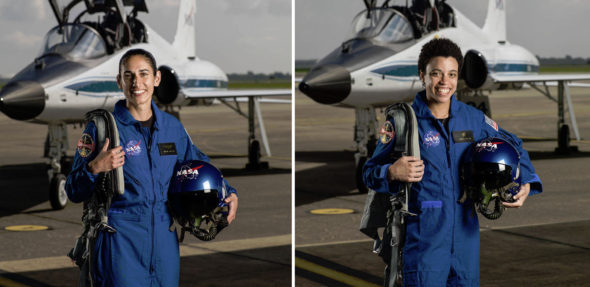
pixel 147 55
pixel 439 47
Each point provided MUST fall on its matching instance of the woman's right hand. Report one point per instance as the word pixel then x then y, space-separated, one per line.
pixel 406 169
pixel 107 159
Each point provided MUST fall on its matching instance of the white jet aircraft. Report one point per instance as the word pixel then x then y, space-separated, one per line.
pixel 378 65
pixel 76 73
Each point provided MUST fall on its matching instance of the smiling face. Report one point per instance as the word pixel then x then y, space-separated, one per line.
pixel 440 79
pixel 137 80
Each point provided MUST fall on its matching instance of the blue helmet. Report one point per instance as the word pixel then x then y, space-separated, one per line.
pixel 491 172
pixel 196 198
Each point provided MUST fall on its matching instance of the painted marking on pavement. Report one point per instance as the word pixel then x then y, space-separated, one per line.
pixel 26 227
pixel 330 273
pixel 9 283
pixel 191 249
pixel 332 211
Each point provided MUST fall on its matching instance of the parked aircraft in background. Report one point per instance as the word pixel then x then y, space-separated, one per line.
pixel 76 72
pixel 378 65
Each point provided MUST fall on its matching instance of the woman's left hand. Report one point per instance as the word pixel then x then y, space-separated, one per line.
pixel 520 196
pixel 232 201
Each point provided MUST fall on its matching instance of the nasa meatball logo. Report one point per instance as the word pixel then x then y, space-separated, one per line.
pixel 133 148
pixel 187 172
pixel 431 139
pixel 486 145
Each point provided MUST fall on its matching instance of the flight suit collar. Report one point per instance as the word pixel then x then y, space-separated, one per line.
pixel 422 110
pixel 122 113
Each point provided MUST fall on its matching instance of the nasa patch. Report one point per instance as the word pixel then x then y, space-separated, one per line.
pixel 187 172
pixel 492 123
pixel 85 145
pixel 386 133
pixel 133 148
pixel 431 139
pixel 487 145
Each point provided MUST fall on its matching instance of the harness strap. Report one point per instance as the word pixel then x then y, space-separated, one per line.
pixel 383 210
pixel 94 214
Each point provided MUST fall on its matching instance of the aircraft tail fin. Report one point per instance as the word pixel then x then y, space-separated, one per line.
pixel 184 40
pixel 495 24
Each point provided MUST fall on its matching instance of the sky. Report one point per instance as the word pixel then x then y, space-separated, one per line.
pixel 236 35
pixel 255 35
pixel 547 28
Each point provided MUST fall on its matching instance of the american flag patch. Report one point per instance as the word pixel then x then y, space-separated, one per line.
pixel 492 123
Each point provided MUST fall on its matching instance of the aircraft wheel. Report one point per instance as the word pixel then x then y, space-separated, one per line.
pixel 254 152
pixel 360 185
pixel 563 137
pixel 254 162
pixel 57 192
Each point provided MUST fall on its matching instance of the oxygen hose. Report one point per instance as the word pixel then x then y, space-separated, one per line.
pixel 492 215
pixel 488 197
pixel 204 234
pixel 215 222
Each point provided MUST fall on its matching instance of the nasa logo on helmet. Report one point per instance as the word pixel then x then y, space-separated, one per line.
pixel 487 145
pixel 187 172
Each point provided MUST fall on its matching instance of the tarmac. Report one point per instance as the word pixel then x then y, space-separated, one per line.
pixel 544 243
pixel 255 250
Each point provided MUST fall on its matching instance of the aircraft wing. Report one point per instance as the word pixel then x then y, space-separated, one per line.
pixel 500 79
pixel 200 94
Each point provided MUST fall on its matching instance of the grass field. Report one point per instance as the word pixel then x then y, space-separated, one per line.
pixel 259 84
pixel 565 69
pixel 301 70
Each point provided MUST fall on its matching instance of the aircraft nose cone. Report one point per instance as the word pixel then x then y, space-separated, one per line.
pixel 22 100
pixel 327 84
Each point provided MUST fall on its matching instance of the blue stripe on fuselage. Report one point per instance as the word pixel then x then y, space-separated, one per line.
pixel 406 71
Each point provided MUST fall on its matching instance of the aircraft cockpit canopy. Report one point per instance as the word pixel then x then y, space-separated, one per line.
pixel 115 21
pixel 74 41
pixel 384 25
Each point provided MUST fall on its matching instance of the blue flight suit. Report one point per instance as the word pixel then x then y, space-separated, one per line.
pixel 442 241
pixel 143 251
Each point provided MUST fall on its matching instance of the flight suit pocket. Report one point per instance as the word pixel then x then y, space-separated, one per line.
pixel 129 242
pixel 431 226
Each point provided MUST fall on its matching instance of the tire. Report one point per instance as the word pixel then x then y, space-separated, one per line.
pixel 57 192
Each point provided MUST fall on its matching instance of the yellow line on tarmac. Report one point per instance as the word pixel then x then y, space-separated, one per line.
pixel 186 249
pixel 9 283
pixel 330 273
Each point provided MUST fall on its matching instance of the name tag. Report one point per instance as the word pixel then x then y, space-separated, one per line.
pixel 463 136
pixel 167 148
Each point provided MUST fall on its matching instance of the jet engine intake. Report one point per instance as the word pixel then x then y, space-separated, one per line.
pixel 167 91
pixel 475 70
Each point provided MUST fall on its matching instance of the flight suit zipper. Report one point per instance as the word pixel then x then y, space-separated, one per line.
pixel 447 138
pixel 148 135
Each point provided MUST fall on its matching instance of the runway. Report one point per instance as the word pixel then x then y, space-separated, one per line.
pixel 255 250
pixel 544 243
